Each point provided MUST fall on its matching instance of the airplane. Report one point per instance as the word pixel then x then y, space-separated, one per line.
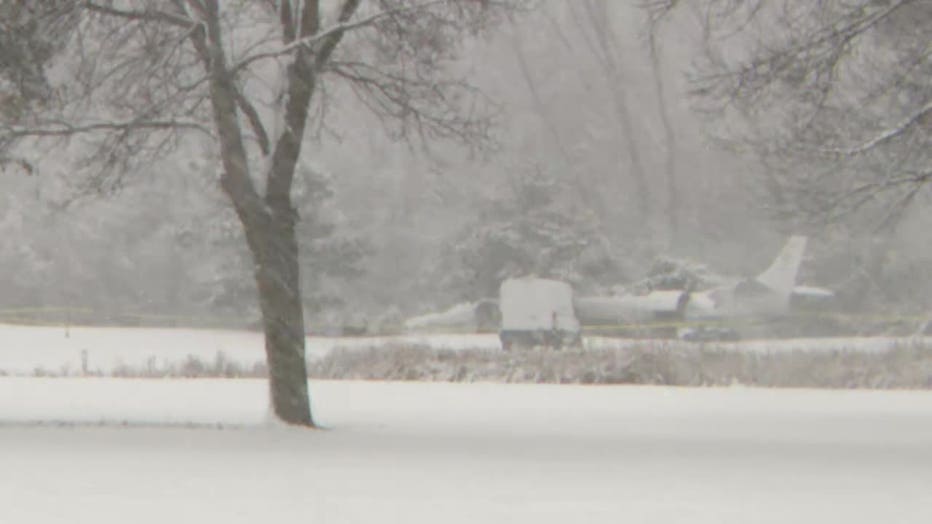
pixel 655 314
pixel 466 317
pixel 769 293
pixel 720 312
pixel 771 296
pixel 714 313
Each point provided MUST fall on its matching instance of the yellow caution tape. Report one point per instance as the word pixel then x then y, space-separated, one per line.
pixel 67 315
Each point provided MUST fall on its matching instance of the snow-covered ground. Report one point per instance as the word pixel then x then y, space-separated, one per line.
pixel 460 453
pixel 56 350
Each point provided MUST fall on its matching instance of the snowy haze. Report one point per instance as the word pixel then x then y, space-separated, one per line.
pixel 600 175
pixel 168 244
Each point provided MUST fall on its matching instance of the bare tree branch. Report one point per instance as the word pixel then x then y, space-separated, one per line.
pixel 145 15
pixel 896 130
pixel 752 77
pixel 255 121
pixel 339 28
pixel 424 106
pixel 68 129
pixel 833 96
pixel 658 9
pixel 286 18
pixel 301 82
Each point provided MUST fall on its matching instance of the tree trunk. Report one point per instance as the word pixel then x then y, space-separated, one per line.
pixel 593 201
pixel 606 50
pixel 673 200
pixel 269 223
pixel 275 252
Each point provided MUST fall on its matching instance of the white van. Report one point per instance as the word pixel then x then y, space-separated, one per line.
pixel 537 311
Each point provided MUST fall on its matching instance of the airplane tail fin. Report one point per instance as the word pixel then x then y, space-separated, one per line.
pixel 781 275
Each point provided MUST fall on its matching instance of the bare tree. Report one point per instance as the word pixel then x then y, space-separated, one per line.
pixel 140 77
pixel 670 144
pixel 28 39
pixel 584 190
pixel 836 97
pixel 593 18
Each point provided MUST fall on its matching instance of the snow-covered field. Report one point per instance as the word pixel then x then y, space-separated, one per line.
pixel 56 350
pixel 115 450
pixel 460 453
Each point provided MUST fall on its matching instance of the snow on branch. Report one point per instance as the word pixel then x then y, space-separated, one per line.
pixel 140 14
pixel 658 9
pixel 338 28
pixel 430 107
pixel 64 129
pixel 898 129
pixel 802 51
